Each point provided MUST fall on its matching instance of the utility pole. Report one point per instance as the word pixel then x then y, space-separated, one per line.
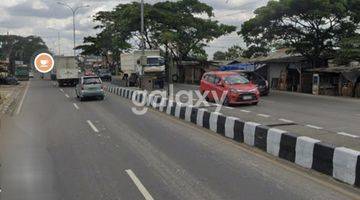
pixel 142 59
pixel 59 43
pixel 73 10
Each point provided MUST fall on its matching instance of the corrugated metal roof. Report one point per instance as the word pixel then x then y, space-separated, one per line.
pixel 280 55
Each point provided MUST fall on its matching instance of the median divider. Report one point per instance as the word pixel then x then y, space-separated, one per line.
pixel 341 163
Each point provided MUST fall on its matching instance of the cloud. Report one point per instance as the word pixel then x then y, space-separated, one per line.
pixel 33 17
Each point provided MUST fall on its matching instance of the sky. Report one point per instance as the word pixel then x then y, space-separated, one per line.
pixel 46 18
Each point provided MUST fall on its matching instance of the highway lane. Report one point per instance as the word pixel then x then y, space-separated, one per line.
pixel 335 114
pixel 51 151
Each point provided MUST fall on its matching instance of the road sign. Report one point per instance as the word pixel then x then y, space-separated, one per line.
pixel 44 62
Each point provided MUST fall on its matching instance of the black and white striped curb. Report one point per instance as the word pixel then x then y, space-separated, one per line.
pixel 339 162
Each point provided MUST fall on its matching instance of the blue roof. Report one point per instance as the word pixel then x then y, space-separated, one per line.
pixel 240 66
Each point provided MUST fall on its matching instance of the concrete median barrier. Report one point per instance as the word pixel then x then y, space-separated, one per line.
pixel 341 163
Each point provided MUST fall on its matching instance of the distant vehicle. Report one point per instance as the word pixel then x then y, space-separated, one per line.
pixel 66 70
pixel 240 89
pixel 31 75
pixel 89 73
pixel 9 80
pixel 104 74
pixel 22 72
pixel 257 79
pixel 89 86
pixel 135 67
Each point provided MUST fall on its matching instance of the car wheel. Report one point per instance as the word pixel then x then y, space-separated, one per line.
pixel 101 97
pixel 82 98
pixel 255 104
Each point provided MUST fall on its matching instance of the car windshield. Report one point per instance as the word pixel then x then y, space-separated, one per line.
pixel 93 80
pixel 153 62
pixel 236 79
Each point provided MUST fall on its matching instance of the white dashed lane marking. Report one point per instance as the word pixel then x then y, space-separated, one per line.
pixel 61 90
pixel 67 96
pixel 286 120
pixel 246 111
pixel 76 106
pixel 314 127
pixel 139 185
pixel 263 115
pixel 348 134
pixel 92 126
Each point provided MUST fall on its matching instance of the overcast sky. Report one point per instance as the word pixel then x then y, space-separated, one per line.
pixel 41 17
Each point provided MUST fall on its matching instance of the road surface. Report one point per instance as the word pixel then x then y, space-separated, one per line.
pixel 59 148
pixel 335 114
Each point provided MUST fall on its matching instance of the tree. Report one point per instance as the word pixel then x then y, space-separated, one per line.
pixel 20 48
pixel 172 26
pixel 219 55
pixel 313 28
pixel 349 50
pixel 255 51
pixel 233 52
pixel 182 32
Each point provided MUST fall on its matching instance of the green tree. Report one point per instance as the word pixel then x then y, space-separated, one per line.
pixel 175 27
pixel 219 55
pixel 349 50
pixel 233 53
pixel 313 28
pixel 20 48
pixel 181 31
pixel 255 51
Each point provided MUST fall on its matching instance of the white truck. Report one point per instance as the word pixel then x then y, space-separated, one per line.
pixel 133 70
pixel 67 70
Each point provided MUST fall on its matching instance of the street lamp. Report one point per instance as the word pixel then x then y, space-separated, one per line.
pixel 73 10
pixel 58 34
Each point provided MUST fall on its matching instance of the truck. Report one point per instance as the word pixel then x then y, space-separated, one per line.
pixel 67 70
pixel 138 69
pixel 22 72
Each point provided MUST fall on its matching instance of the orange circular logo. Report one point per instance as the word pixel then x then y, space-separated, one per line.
pixel 44 62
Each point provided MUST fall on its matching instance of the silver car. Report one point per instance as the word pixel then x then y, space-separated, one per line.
pixel 89 86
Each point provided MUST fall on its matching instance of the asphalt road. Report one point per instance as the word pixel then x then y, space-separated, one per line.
pixel 60 148
pixel 335 114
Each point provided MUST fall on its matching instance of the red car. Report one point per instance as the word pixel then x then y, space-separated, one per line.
pixel 239 89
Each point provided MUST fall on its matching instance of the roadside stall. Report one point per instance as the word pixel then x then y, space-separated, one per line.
pixel 337 81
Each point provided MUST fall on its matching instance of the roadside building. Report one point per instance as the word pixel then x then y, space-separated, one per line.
pixel 337 80
pixel 285 71
pixel 191 71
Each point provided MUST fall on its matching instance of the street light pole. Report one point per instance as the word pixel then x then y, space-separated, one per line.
pixel 73 10
pixel 58 37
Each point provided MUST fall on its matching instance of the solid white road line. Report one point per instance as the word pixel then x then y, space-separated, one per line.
pixel 263 115
pixel 67 96
pixel 92 126
pixel 139 185
pixel 246 111
pixel 22 99
pixel 286 120
pixel 76 106
pixel 314 127
pixel 348 134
